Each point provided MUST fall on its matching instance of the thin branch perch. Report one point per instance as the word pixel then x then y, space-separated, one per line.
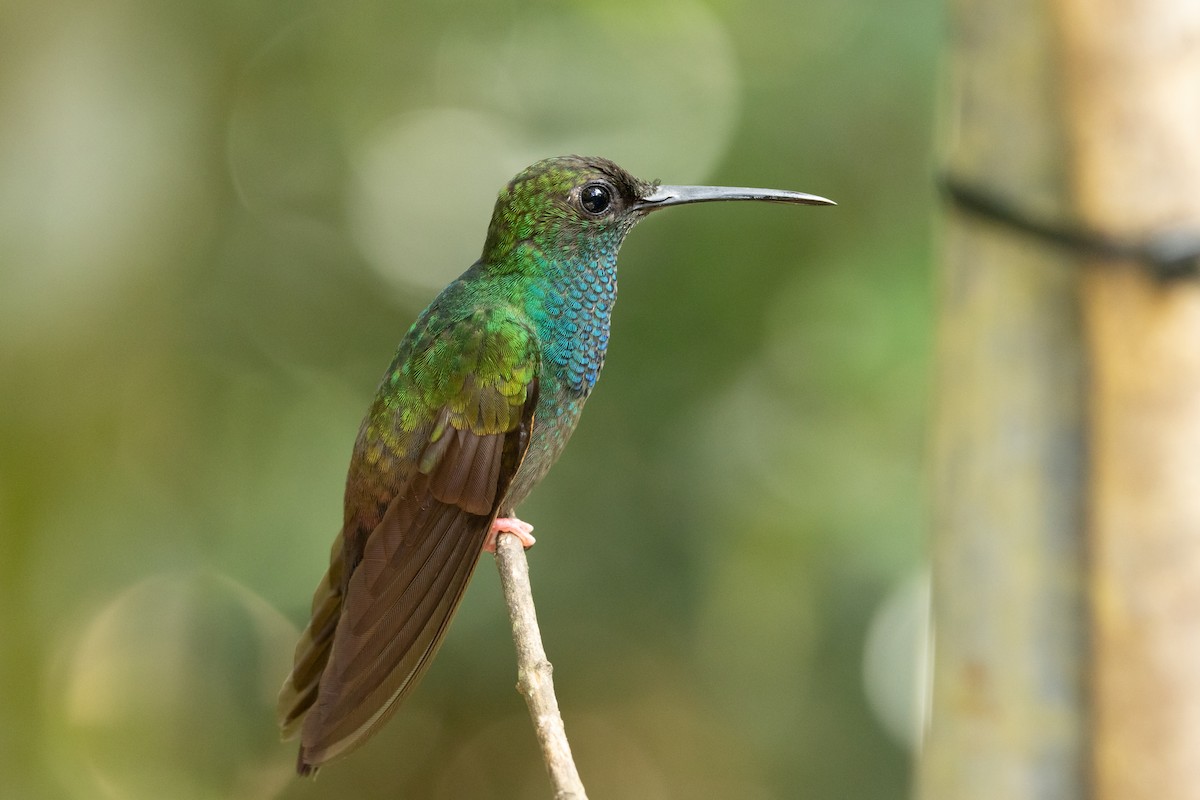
pixel 534 671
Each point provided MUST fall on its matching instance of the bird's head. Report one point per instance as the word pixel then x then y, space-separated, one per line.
pixel 560 203
pixel 571 204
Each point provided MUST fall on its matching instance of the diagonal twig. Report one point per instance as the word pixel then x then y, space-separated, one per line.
pixel 534 671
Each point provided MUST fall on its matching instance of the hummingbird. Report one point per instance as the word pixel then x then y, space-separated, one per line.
pixel 484 391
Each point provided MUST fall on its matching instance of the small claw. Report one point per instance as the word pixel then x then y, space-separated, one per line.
pixel 522 530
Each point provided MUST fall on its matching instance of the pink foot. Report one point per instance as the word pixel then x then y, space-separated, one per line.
pixel 522 530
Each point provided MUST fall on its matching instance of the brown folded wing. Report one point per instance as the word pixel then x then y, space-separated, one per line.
pixel 375 630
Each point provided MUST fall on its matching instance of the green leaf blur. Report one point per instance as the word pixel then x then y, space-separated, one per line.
pixel 216 222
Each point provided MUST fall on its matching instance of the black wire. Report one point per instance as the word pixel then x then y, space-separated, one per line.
pixel 1169 255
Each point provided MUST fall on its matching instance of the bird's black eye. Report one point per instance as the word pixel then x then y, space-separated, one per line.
pixel 595 198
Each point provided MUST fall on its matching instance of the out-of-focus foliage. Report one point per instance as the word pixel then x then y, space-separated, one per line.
pixel 216 221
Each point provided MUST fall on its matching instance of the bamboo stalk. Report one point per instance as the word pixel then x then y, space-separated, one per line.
pixel 1007 718
pixel 1133 97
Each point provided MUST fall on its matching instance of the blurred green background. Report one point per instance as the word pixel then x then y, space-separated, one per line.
pixel 216 221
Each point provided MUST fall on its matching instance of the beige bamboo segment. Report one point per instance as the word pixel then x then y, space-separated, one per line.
pixel 1006 718
pixel 1133 100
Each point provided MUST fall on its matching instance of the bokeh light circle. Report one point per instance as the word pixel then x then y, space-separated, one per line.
pixel 169 692
pixel 896 660
pixel 415 163
pixel 423 189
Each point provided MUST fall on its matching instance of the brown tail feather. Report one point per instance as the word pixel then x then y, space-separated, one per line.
pixel 393 621
pixel 299 691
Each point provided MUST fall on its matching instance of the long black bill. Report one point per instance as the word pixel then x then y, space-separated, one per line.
pixel 664 196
